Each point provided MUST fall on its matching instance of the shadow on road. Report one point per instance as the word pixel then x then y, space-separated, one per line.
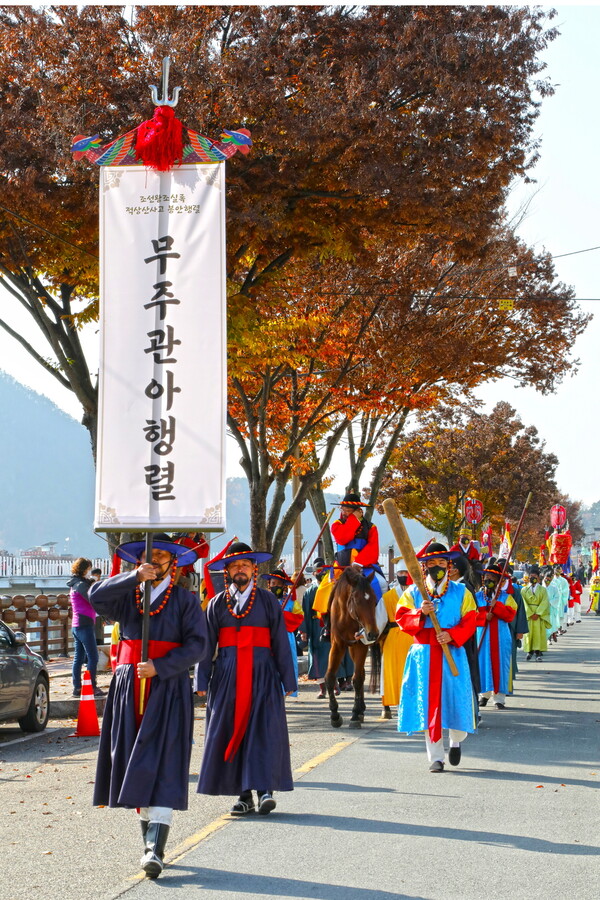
pixel 266 885
pixel 375 826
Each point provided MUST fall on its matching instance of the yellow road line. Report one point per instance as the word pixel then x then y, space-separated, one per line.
pixel 194 840
pixel 323 757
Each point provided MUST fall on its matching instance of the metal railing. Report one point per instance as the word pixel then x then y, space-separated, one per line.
pixel 38 567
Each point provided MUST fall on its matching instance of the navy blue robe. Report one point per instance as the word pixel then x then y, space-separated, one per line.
pixel 262 761
pixel 149 766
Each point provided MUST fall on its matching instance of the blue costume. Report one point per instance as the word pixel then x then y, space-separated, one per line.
pixel 432 697
pixel 495 642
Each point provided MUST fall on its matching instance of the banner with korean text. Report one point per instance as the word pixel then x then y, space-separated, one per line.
pixel 163 391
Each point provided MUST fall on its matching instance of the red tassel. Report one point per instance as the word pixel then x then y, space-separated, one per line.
pixel 116 565
pixel 159 142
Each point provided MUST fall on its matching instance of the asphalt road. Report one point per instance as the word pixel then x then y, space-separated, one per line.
pixel 518 818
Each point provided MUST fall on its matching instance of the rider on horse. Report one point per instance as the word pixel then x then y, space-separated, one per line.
pixel 357 544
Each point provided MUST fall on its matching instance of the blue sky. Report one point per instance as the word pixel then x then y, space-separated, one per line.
pixel 562 217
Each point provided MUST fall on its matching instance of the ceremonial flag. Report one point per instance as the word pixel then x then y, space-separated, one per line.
pixel 506 545
pixel 486 542
pixel 161 431
pixel 207 590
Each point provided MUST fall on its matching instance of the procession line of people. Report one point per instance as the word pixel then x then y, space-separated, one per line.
pixel 244 655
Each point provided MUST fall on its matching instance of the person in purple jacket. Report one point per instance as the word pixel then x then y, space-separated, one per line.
pixel 83 625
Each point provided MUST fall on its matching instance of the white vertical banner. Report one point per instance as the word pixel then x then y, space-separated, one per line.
pixel 163 388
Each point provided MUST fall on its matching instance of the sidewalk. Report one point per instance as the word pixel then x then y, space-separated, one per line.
pixel 517 819
pixel 62 703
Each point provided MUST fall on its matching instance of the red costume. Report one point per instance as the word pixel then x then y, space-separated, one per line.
pixel 352 529
pixel 471 553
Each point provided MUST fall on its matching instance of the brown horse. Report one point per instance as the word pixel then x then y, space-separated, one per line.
pixel 352 614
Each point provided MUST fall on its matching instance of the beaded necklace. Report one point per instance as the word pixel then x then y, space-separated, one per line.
pixel 139 602
pixel 433 597
pixel 229 598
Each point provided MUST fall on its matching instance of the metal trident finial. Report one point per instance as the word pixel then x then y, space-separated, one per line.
pixel 164 100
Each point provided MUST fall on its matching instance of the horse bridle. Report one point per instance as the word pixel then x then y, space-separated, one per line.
pixel 352 610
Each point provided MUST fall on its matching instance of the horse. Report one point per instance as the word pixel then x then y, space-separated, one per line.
pixel 352 615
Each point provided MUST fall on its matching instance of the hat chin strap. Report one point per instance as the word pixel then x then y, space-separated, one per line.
pixel 163 574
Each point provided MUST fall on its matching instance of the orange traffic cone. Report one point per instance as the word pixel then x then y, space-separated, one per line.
pixel 87 719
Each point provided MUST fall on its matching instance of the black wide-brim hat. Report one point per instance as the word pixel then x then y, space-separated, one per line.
pixel 278 575
pixel 495 569
pixel 351 500
pixel 239 550
pixel 132 551
pixel 434 550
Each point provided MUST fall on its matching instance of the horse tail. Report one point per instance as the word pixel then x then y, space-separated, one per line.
pixel 375 682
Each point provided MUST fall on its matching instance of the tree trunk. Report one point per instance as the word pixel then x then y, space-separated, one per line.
pixel 316 498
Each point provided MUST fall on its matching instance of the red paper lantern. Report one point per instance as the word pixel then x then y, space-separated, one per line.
pixel 473 511
pixel 558 516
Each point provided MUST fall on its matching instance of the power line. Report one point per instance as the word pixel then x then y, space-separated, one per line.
pixel 45 230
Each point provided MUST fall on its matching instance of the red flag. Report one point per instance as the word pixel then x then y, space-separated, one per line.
pixel 207 590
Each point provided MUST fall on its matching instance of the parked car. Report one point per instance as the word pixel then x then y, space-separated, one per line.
pixel 24 682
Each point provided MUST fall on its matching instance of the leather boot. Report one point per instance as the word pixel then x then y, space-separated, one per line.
pixel 144 826
pixel 156 839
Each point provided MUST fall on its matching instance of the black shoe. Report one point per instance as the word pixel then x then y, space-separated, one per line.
pixel 538 657
pixel 77 693
pixel 156 839
pixel 454 756
pixel 266 804
pixel 499 705
pixel 243 805
pixel 529 656
pixel 483 701
pixel 436 766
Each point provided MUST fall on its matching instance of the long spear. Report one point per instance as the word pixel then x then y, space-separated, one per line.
pixel 505 566
pixel 412 564
pixel 311 551
pixel 146 620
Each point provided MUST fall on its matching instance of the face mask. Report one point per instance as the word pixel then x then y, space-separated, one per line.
pixel 490 584
pixel 277 590
pixel 436 573
pixel 532 579
pixel 403 580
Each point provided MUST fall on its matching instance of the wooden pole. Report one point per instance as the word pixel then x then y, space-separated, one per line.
pixel 146 620
pixel 414 568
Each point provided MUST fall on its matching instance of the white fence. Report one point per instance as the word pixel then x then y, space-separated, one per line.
pixel 38 567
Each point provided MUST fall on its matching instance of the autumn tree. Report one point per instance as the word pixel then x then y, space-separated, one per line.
pixel 385 139
pixel 377 121
pixel 494 458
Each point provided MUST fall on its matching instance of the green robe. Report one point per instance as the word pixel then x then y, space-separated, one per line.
pixel 536 603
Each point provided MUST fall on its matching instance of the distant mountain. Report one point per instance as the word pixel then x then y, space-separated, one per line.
pixel 48 475
pixel 48 483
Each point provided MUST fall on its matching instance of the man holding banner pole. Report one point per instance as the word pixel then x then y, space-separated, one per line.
pixel 146 739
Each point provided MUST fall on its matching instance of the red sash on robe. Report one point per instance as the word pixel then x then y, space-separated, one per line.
pixel 130 653
pixel 245 639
